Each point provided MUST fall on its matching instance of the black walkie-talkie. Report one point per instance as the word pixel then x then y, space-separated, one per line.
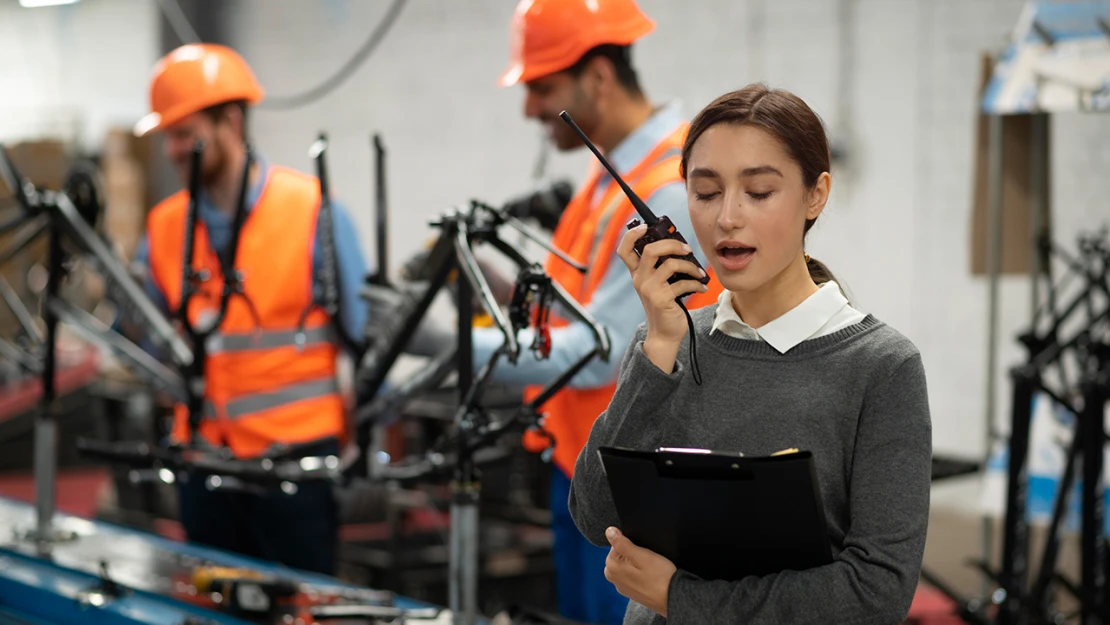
pixel 658 228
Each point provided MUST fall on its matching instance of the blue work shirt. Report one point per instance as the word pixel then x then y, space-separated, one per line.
pixel 615 304
pixel 352 268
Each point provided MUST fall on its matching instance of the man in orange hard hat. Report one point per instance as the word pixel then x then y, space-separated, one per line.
pixel 270 375
pixel 574 55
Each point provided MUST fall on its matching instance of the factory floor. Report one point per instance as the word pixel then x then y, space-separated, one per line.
pixel 954 536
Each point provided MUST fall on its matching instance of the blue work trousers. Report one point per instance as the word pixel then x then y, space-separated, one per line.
pixel 583 592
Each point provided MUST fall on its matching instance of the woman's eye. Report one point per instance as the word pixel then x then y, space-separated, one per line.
pixel 705 196
pixel 760 196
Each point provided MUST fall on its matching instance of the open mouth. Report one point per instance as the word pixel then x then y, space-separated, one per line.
pixel 735 255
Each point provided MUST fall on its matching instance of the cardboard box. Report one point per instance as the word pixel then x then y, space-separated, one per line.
pixel 1017 236
pixel 44 163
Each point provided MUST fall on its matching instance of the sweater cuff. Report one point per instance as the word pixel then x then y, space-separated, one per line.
pixel 679 598
pixel 651 380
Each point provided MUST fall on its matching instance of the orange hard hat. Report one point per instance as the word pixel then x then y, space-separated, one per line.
pixel 549 36
pixel 194 77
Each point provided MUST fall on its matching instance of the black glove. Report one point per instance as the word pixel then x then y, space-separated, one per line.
pixel 389 308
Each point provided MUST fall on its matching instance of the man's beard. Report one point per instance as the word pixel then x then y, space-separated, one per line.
pixel 585 115
pixel 212 164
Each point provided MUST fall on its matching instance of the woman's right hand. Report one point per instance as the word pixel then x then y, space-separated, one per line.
pixel 666 321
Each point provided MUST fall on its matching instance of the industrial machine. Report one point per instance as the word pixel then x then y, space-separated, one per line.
pixel 63 569
pixel 108 574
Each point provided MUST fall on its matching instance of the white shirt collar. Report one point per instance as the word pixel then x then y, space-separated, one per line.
pixel 816 313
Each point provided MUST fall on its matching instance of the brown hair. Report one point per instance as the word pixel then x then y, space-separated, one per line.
pixel 620 57
pixel 217 111
pixel 785 116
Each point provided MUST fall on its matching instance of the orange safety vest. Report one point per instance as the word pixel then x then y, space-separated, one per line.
pixel 269 380
pixel 590 233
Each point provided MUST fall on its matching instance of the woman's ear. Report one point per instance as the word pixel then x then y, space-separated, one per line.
pixel 818 196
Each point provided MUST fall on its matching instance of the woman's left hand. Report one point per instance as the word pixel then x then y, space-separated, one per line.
pixel 639 574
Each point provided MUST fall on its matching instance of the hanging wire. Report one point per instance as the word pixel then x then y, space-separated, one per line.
pixel 345 72
pixel 179 22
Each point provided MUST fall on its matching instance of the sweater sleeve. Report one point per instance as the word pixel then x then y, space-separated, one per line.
pixel 872 581
pixel 633 419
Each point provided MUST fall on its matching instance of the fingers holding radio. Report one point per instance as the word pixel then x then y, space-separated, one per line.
pixel 626 250
pixel 653 270
pixel 662 261
pixel 675 277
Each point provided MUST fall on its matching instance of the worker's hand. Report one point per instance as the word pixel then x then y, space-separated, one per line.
pixel 639 574
pixel 415 268
pixel 666 321
pixel 388 309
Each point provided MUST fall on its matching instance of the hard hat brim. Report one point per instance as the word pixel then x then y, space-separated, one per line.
pixel 520 71
pixel 147 124
pixel 511 76
pixel 157 121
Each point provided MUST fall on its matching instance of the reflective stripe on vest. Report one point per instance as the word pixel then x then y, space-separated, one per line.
pixel 267 339
pixel 571 413
pixel 618 199
pixel 246 405
pixel 260 389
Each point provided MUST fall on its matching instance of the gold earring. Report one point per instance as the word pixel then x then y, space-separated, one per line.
pixel 807 258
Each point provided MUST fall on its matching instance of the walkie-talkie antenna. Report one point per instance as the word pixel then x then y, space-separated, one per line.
pixel 645 213
pixel 658 229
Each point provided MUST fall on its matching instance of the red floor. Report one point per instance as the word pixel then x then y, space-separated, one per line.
pixel 930 607
pixel 79 369
pixel 77 491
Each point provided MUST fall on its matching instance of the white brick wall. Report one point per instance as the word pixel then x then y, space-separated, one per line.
pixel 73 71
pixel 896 230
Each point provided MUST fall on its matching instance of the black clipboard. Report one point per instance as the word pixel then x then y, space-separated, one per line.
pixel 718 515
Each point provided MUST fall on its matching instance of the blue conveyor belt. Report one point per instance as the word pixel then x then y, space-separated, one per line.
pixel 36 589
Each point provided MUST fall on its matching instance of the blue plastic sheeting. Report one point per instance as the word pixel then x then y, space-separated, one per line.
pixel 1050 433
pixel 150 567
pixel 51 594
pixel 1057 60
pixel 14 617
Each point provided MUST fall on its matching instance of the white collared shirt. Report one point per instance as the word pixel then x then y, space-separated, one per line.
pixel 824 312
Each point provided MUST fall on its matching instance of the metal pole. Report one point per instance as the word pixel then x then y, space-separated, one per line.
pixel 1013 572
pixel 46 424
pixel 1038 192
pixel 994 258
pixel 381 212
pixel 463 582
pixel 466 517
pixel 1093 578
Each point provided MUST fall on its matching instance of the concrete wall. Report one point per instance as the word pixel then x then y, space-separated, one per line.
pixel 896 81
pixel 72 71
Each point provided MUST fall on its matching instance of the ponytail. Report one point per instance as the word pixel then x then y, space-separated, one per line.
pixel 820 273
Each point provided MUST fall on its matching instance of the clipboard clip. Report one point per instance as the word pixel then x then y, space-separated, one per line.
pixel 690 450
pixel 693 450
pixel 696 464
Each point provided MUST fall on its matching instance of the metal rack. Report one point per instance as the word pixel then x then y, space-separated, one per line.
pixel 57 215
pixel 460 230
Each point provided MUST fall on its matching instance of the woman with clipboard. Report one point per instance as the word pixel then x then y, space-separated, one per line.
pixel 787 362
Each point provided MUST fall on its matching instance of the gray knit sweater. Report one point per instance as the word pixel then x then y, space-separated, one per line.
pixel 855 398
